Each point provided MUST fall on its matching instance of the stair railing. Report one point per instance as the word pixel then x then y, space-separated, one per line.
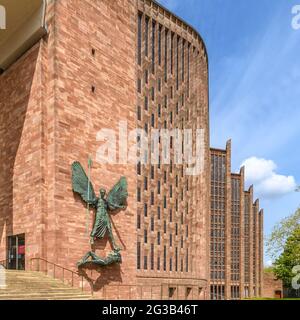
pixel 55 268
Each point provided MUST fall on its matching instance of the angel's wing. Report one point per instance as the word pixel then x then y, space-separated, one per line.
pixel 117 196
pixel 82 185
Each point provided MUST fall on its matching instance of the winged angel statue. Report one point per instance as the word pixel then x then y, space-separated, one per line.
pixel 115 200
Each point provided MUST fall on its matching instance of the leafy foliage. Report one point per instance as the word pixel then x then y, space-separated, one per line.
pixel 290 258
pixel 281 232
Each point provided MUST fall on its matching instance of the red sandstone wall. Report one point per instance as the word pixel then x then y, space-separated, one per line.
pixel 271 285
pixel 20 156
pixel 108 27
pixel 50 118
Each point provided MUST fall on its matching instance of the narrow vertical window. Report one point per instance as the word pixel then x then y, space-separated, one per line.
pixel 138 221
pixel 153 45
pixel 139 194
pixel 152 257
pixel 166 54
pixel 188 80
pixel 177 62
pixel 159 45
pixel 139 113
pixel 139 85
pixel 165 258
pixel 146 36
pixel 183 58
pixel 138 256
pixel 139 169
pixel 172 52
pixel 140 38
pixel 187 261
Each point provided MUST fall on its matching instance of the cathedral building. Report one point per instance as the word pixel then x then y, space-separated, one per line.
pixel 73 72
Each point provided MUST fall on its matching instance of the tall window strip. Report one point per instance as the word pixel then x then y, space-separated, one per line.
pixel 166 54
pixel 235 230
pixel 187 261
pixel 172 52
pixel 159 44
pixel 247 239
pixel 153 45
pixel 188 66
pixel 146 36
pixel 152 257
pixel 177 62
pixel 217 243
pixel 138 256
pixel 254 244
pixel 183 60
pixel 140 19
pixel 165 258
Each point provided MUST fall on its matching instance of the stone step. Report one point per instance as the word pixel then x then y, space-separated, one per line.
pixel 23 285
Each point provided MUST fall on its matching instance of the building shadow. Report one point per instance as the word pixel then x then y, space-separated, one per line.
pixel 99 277
pixel 15 94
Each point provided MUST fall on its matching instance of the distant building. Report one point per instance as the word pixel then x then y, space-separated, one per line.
pixel 272 287
pixel 236 229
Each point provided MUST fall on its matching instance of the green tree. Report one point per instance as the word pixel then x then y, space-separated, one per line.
pixel 275 243
pixel 290 257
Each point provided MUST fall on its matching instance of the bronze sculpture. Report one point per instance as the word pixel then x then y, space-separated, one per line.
pixel 113 257
pixel 115 200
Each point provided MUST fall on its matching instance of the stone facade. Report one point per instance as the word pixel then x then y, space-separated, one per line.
pixel 172 206
pixel 50 117
pixel 236 229
pixel 81 78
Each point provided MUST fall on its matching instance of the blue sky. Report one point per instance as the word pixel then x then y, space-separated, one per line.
pixel 254 60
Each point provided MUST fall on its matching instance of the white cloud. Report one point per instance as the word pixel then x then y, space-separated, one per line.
pixel 267 182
